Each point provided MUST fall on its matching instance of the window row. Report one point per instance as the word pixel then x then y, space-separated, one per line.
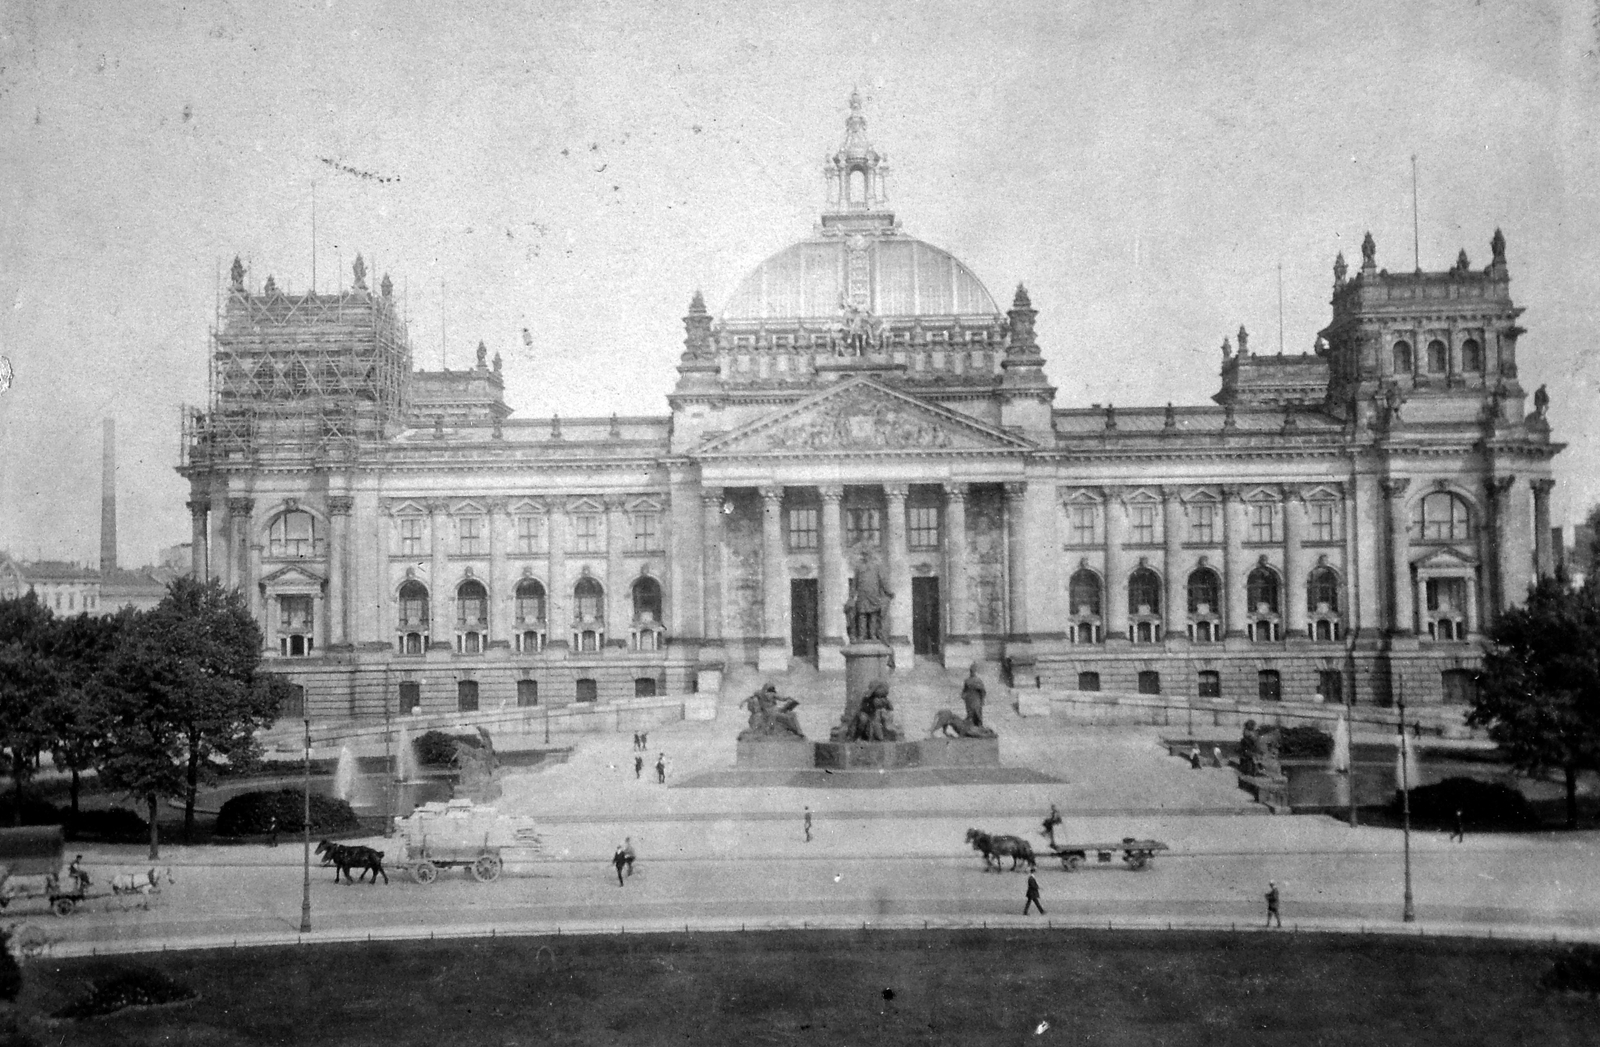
pixel 1436 357
pixel 298 535
pixel 1204 606
pixel 415 623
pixel 1208 684
pixel 864 526
pixel 467 693
pixel 1263 522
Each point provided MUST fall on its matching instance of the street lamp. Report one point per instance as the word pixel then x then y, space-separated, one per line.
pixel 305 825
pixel 1409 913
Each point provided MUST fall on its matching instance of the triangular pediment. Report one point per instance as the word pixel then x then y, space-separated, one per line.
pixel 862 416
pixel 292 575
pixel 1445 557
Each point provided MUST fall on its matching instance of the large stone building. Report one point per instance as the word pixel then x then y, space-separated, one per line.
pixel 1345 522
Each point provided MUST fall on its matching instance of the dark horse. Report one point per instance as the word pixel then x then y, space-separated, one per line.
pixel 995 848
pixel 344 858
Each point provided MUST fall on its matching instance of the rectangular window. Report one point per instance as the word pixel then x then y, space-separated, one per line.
pixel 586 533
pixel 1447 594
pixel 410 698
pixel 1209 684
pixel 1084 524
pixel 467 696
pixel 411 536
pixel 644 687
pixel 470 531
pixel 294 703
pixel 1324 521
pixel 646 533
pixel 1268 685
pixel 1149 682
pixel 1088 681
pixel 924 530
pixel 527 693
pixel 294 614
pixel 802 528
pixel 1142 524
pixel 530 535
pixel 1330 684
pixel 864 527
pixel 1203 523
pixel 1263 522
pixel 587 691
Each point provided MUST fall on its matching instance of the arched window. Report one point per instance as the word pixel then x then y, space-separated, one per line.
pixel 588 600
pixel 530 601
pixel 1402 357
pixel 472 605
pixel 1083 594
pixel 1261 591
pixel 1471 355
pixel 1205 592
pixel 858 186
pixel 1322 591
pixel 1438 357
pixel 414 605
pixel 647 600
pixel 1144 592
pixel 293 534
pixel 1442 517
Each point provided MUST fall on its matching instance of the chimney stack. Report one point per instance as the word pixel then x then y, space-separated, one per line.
pixel 108 499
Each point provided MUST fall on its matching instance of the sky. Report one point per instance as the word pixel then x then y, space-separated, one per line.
pixel 580 168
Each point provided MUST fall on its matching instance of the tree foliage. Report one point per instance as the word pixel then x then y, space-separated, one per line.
pixel 1539 691
pixel 29 681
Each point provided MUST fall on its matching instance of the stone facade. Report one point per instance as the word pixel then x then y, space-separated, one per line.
pixel 1347 521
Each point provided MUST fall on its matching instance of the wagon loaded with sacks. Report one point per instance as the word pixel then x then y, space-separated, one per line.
pixel 462 835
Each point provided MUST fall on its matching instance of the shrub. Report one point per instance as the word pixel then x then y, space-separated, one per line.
pixel 135 987
pixel 1305 743
pixel 437 749
pixel 1577 970
pixel 252 813
pixel 35 811
pixel 10 973
pixel 113 825
pixel 1482 804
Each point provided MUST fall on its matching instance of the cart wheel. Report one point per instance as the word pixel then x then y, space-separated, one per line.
pixel 62 906
pixel 1072 862
pixel 486 868
pixel 1139 860
pixel 424 873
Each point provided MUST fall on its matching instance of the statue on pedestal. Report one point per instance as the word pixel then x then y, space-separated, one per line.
pixel 869 720
pixel 772 718
pixel 972 695
pixel 1258 751
pixel 866 607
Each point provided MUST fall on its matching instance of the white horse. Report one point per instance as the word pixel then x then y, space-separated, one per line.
pixel 141 883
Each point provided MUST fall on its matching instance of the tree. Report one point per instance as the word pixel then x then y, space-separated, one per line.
pixel 1539 690
pixel 28 682
pixel 189 696
pixel 76 714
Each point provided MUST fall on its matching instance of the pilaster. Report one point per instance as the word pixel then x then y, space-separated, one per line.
pixel 441 600
pixel 833 582
pixel 1402 621
pixel 240 511
pixel 1114 598
pixel 711 565
pixel 1544 562
pixel 774 652
pixel 198 561
pixel 899 624
pixel 558 594
pixel 1177 596
pixel 619 602
pixel 339 507
pixel 1234 567
pixel 1294 563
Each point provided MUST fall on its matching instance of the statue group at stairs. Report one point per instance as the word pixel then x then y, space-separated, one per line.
pixel 869 718
pixel 1258 751
pixel 772 718
pixel 972 696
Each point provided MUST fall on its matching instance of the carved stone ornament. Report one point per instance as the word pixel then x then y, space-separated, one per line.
pixel 340 505
pixel 861 421
pixel 291 504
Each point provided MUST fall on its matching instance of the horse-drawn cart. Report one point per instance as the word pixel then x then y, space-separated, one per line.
pixel 1137 854
pixel 459 835
pixel 31 867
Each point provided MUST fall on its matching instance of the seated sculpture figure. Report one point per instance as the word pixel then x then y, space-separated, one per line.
pixel 869 720
pixel 772 717
pixel 1258 751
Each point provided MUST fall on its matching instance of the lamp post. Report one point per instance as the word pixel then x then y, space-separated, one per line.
pixel 1350 768
pixel 1409 913
pixel 305 894
pixel 388 772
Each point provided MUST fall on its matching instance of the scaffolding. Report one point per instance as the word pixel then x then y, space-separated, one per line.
pixel 301 376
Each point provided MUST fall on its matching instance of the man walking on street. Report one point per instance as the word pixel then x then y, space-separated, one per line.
pixel 1272 904
pixel 1033 896
pixel 619 860
pixel 661 769
pixel 808 825
pixel 627 853
pixel 1460 835
pixel 638 767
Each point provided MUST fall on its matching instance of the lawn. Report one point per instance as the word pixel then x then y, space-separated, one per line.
pixel 877 987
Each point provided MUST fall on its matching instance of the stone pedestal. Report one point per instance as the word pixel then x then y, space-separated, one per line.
pixel 767 755
pixel 865 663
pixel 889 756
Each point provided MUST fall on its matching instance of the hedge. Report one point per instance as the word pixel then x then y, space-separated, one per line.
pixel 437 749
pixel 136 987
pixel 1482 804
pixel 1304 742
pixel 252 813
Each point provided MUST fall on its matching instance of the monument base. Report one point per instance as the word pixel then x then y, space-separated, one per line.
pixel 865 663
pixel 924 752
pixel 794 755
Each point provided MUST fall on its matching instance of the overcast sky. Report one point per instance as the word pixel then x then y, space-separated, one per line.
pixel 580 168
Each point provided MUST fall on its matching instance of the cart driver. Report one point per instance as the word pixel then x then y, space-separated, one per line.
pixel 80 876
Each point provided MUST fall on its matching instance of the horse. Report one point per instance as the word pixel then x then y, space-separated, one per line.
pixel 141 883
pixel 343 858
pixel 994 848
pixel 981 842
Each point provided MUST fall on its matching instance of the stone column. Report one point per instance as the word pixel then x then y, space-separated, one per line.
pixel 1516 544
pixel 260 609
pixel 1491 543
pixel 558 594
pixel 898 626
pixel 958 622
pixel 711 564
pixel 339 507
pixel 441 601
pixel 1177 595
pixel 502 586
pixel 1402 621
pixel 833 584
pixel 1544 561
pixel 1234 568
pixel 682 543
pixel 199 563
pixel 1018 555
pixel 774 653
pixel 619 601
pixel 1294 563
pixel 239 513
pixel 1114 596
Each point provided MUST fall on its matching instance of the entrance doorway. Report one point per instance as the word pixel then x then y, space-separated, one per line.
pixel 925 632
pixel 803 618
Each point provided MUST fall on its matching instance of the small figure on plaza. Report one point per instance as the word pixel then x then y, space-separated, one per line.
pixel 772 717
pixel 866 607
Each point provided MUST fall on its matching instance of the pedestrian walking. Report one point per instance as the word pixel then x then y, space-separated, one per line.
pixel 619 860
pixel 808 825
pixel 1272 904
pixel 1033 896
pixel 661 769
pixel 1216 756
pixel 644 741
pixel 1460 835
pixel 1194 757
pixel 635 741
pixel 638 767
pixel 272 830
pixel 627 853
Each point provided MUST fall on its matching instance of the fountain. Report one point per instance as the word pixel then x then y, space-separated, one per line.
pixel 348 783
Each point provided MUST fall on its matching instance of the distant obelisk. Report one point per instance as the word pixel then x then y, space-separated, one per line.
pixel 108 499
